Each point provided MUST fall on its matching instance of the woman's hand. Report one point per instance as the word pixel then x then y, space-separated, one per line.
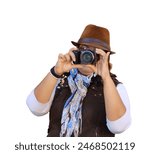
pixel 65 62
pixel 102 66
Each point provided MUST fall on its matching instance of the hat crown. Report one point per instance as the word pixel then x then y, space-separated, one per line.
pixel 95 36
pixel 95 32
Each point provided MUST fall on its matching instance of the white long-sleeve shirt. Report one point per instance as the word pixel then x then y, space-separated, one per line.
pixel 116 126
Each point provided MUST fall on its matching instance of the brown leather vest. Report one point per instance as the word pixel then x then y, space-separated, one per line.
pixel 93 110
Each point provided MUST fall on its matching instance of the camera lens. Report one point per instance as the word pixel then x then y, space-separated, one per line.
pixel 86 57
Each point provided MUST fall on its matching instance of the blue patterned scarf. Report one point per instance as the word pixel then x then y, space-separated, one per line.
pixel 71 121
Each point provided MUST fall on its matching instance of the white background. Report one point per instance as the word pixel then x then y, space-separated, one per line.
pixel 34 32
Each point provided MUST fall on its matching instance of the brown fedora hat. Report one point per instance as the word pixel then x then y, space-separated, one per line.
pixel 95 36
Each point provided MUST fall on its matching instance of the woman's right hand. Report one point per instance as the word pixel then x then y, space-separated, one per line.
pixel 65 62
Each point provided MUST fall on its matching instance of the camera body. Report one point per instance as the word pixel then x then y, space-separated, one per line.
pixel 85 56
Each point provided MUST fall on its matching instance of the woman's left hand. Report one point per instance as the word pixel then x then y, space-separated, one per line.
pixel 102 66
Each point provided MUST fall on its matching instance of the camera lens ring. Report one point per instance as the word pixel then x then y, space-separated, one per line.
pixel 87 57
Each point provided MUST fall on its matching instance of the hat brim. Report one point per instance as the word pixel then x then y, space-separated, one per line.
pixel 97 46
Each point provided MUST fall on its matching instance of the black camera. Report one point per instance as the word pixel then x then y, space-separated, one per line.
pixel 85 57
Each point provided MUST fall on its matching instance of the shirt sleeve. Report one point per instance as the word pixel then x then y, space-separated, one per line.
pixel 121 124
pixel 38 108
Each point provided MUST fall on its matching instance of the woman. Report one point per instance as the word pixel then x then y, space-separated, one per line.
pixel 83 98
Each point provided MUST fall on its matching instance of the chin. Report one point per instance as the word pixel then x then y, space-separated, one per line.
pixel 86 70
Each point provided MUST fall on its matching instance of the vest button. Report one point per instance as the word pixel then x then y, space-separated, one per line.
pixel 93 87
